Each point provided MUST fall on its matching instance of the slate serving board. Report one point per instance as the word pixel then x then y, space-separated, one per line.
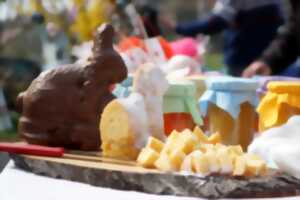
pixel 122 175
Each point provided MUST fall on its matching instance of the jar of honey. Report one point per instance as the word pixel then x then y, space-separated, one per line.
pixel 229 103
pixel 281 102
pixel 180 107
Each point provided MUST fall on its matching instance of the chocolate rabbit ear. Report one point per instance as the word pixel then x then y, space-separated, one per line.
pixel 103 38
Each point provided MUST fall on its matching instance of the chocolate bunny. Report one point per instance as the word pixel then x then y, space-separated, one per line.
pixel 62 107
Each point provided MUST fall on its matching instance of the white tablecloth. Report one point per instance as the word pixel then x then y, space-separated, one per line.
pixel 16 184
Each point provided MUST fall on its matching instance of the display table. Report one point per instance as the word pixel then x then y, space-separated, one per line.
pixel 16 184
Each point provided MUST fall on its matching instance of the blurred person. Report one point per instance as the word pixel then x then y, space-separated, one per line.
pixel 249 26
pixel 20 54
pixel 56 47
pixel 283 51
pixel 150 18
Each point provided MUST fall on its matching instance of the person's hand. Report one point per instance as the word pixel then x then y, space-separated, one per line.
pixel 257 68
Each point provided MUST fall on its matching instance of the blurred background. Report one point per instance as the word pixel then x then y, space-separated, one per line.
pixel 36 35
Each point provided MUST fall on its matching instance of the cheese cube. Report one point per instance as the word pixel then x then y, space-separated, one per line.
pixel 214 163
pixel 200 163
pixel 176 157
pixel 164 163
pixel 226 160
pixel 206 147
pixel 147 157
pixel 236 150
pixel 214 138
pixel 202 138
pixel 155 144
pixel 184 142
pixel 255 167
pixel 171 141
pixel 186 165
pixel 240 165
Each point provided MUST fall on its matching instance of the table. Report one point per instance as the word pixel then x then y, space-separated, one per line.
pixel 16 184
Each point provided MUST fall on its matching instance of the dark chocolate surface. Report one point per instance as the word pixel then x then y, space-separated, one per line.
pixel 62 107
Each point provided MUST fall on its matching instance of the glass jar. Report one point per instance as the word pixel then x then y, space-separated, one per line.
pixel 229 103
pixel 200 84
pixel 281 102
pixel 180 107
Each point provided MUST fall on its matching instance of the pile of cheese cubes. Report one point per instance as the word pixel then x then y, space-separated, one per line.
pixel 194 152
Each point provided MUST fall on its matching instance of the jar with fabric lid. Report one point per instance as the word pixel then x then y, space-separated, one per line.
pixel 180 107
pixel 281 102
pixel 264 80
pixel 200 84
pixel 229 103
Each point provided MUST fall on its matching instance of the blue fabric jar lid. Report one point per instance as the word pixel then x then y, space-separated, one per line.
pixel 231 84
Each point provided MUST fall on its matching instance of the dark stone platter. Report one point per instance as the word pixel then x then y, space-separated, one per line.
pixel 151 181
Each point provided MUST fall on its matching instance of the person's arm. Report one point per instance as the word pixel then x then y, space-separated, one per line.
pixel 211 25
pixel 283 51
pixel 221 18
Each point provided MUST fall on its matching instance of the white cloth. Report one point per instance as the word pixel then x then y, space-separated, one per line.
pixel 279 146
pixel 16 184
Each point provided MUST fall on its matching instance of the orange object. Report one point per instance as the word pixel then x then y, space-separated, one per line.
pixel 135 42
pixel 178 121
pixel 131 42
pixel 166 47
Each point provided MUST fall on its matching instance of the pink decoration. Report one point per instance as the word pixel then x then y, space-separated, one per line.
pixel 185 46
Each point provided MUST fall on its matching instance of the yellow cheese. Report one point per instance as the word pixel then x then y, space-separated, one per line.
pixel 186 165
pixel 147 158
pixel 202 138
pixel 226 160
pixel 184 142
pixel 214 163
pixel 184 151
pixel 255 166
pixel 236 150
pixel 240 165
pixel 155 144
pixel 171 141
pixel 176 157
pixel 200 163
pixel 215 138
pixel 164 163
pixel 206 147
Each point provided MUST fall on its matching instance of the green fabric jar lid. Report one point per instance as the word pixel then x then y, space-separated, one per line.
pixel 181 98
pixel 181 88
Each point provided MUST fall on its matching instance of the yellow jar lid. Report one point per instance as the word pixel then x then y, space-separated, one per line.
pixel 284 87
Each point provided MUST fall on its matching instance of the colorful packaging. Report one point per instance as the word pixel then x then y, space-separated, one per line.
pixel 264 80
pixel 280 103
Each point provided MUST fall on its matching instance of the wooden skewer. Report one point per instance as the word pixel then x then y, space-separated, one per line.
pixel 36 150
